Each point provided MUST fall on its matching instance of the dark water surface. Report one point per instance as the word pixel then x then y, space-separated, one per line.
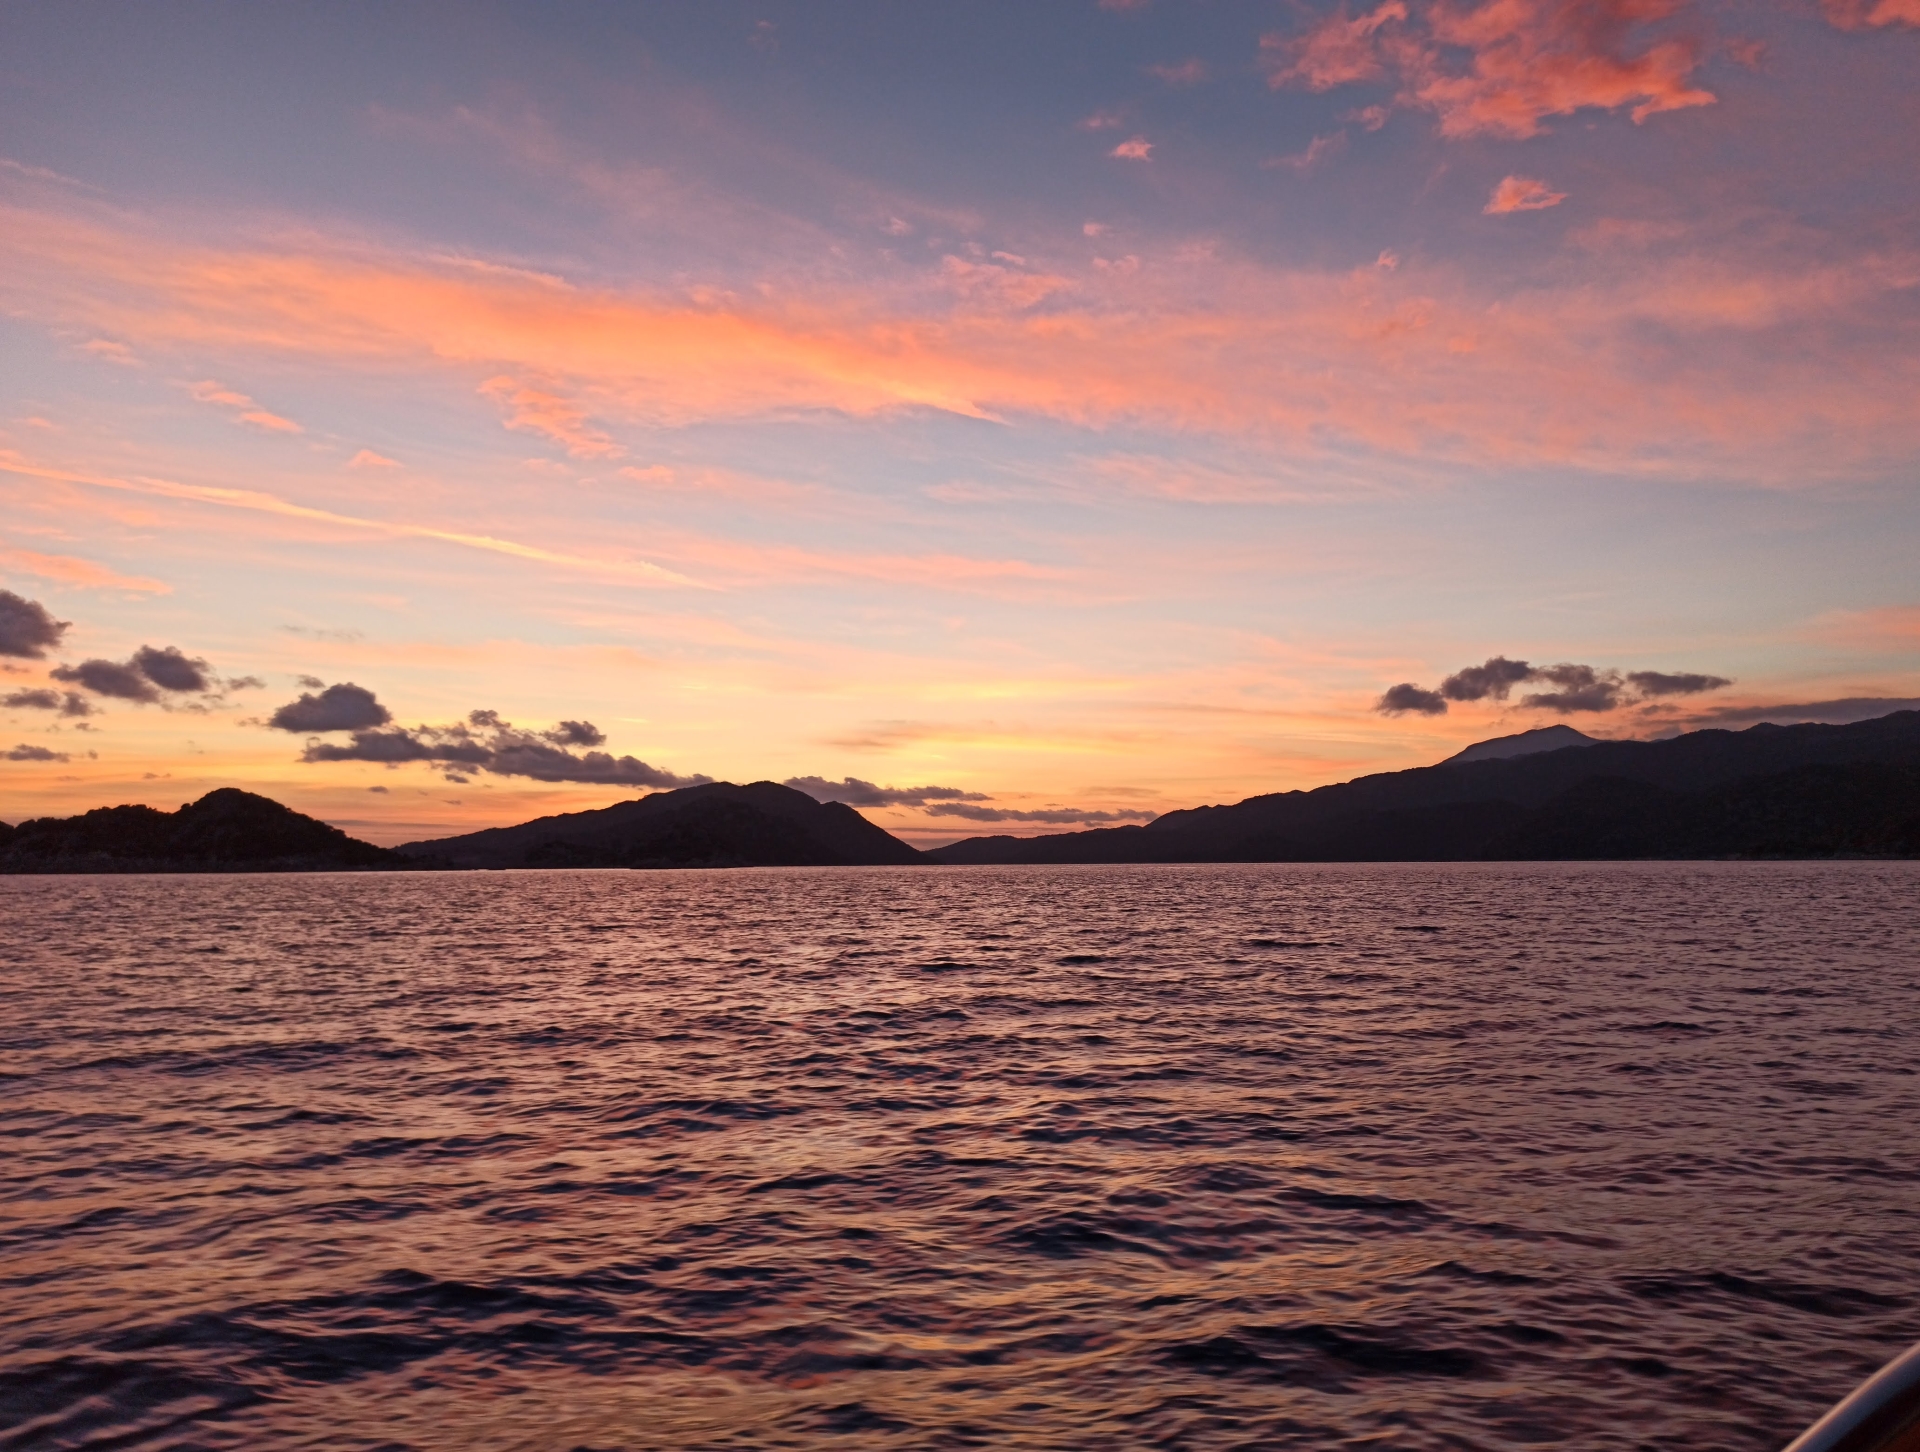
pixel 1618 1156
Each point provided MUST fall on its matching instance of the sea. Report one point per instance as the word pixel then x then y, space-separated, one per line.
pixel 1465 1156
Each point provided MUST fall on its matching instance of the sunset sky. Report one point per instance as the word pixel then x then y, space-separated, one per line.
pixel 1055 412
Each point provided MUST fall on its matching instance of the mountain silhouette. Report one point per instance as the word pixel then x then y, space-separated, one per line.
pixel 720 824
pixel 1769 791
pixel 225 831
pixel 1524 743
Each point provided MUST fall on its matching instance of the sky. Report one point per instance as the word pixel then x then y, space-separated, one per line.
pixel 1002 417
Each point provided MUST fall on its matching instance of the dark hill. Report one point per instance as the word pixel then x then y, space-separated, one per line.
pixel 1709 793
pixel 718 825
pixel 1524 743
pixel 225 831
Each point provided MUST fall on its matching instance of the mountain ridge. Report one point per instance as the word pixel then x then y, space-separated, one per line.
pixel 717 824
pixel 1460 810
pixel 227 830
pixel 1783 791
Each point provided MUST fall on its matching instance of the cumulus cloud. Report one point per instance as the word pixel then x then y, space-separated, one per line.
pixel 150 675
pixel 1494 678
pixel 1522 194
pixel 67 703
pixel 171 669
pixel 857 793
pixel 486 743
pixel 27 628
pixel 1577 687
pixel 109 678
pixel 1501 68
pixel 342 707
pixel 1582 688
pixel 1407 697
pixel 24 752
pixel 576 733
pixel 1055 816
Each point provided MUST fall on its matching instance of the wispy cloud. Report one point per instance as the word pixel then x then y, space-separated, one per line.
pixel 540 411
pixel 1797 366
pixel 71 570
pixel 243 408
pixel 1189 72
pixel 258 501
pixel 1050 816
pixel 1864 14
pixel 1312 154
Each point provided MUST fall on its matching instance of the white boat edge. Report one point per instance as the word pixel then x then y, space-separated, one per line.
pixel 1883 1412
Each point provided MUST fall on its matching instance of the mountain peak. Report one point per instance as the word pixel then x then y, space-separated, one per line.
pixel 1524 743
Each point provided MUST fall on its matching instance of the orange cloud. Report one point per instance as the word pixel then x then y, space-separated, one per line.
pixel 1136 149
pixel 245 408
pixel 1522 194
pixel 1858 14
pixel 1520 61
pixel 367 459
pixel 1411 359
pixel 70 570
pixel 538 411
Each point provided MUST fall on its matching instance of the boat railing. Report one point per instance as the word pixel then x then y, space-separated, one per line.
pixel 1881 1415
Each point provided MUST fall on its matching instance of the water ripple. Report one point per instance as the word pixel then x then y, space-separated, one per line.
pixel 1436 1156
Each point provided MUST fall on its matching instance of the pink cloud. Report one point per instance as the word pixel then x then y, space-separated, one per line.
pixel 1501 68
pixel 1136 149
pixel 367 459
pixel 1307 158
pixel 1337 51
pixel 1187 73
pixel 244 408
pixel 535 410
pixel 996 286
pixel 1103 121
pixel 1522 194
pixel 1859 14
